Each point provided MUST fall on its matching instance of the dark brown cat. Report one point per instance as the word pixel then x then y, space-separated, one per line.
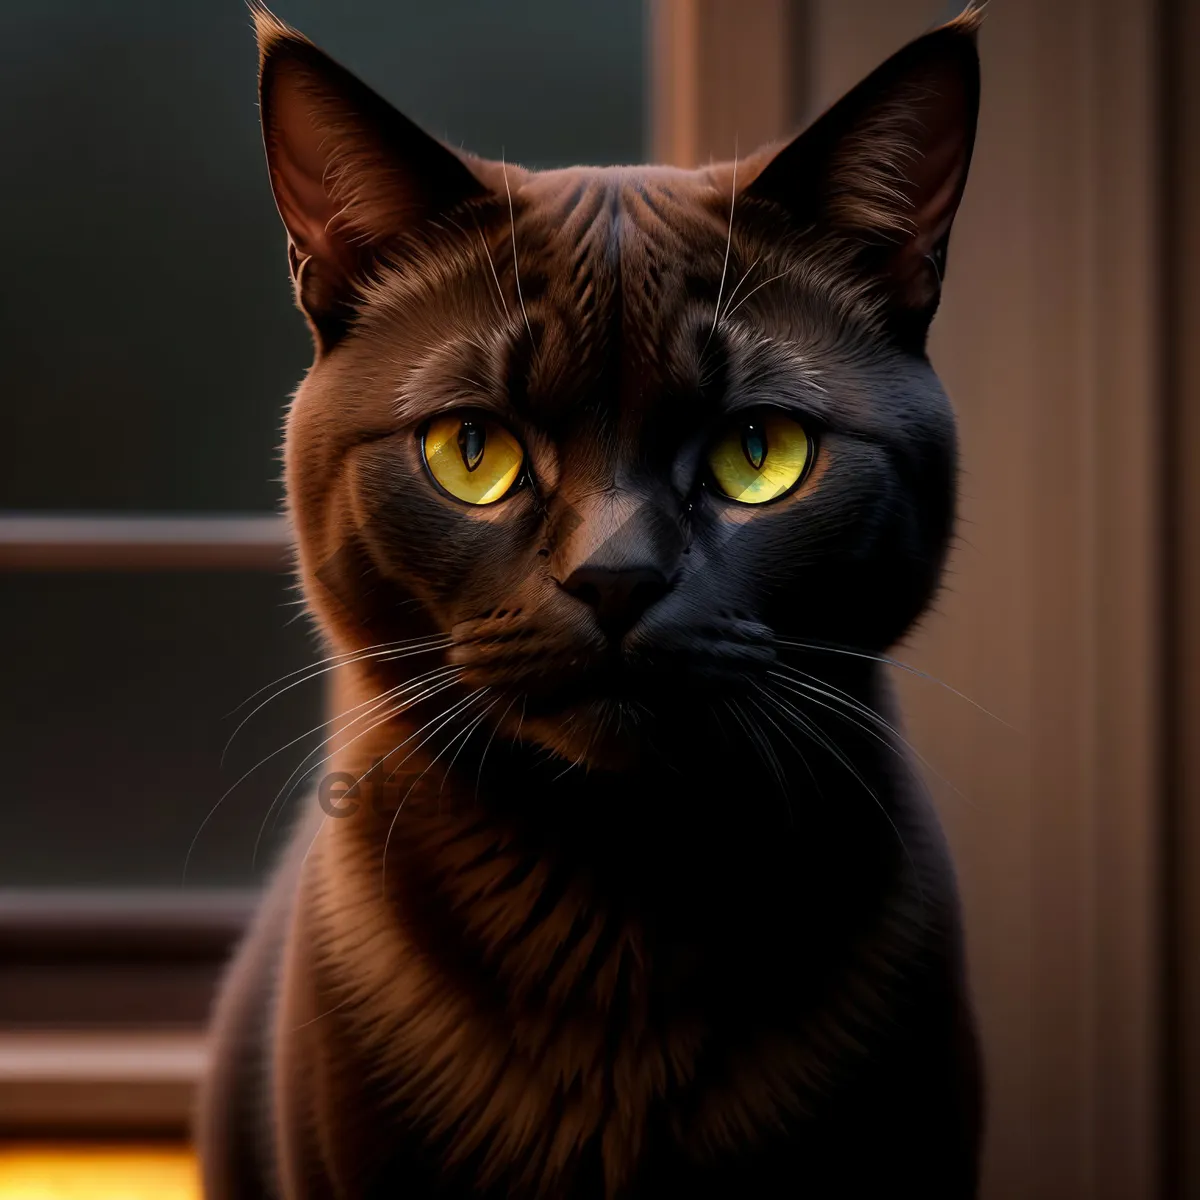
pixel 610 486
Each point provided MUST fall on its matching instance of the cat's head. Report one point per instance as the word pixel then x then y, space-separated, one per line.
pixel 619 434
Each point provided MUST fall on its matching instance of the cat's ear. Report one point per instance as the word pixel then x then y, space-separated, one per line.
pixel 886 166
pixel 351 175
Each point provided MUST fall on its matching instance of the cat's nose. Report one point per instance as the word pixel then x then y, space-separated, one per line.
pixel 619 595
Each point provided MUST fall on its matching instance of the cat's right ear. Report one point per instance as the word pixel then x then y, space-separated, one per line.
pixel 351 175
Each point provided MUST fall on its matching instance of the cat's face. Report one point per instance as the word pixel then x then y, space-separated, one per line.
pixel 617 432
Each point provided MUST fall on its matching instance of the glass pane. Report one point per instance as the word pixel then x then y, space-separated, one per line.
pixel 147 338
pixel 115 703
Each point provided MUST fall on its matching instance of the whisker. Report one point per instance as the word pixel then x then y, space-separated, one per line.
pixel 728 244
pixel 321 1016
pixel 246 775
pixel 428 694
pixel 476 384
pixel 470 729
pixel 315 836
pixel 756 739
pixel 770 696
pixel 387 654
pixel 483 756
pixel 838 696
pixel 594 737
pixel 495 275
pixel 818 735
pixel 447 677
pixel 432 682
pixel 380 701
pixel 512 225
pixel 831 746
pixel 805 679
pixel 329 658
pixel 716 716
pixel 737 287
pixel 825 648
pixel 575 762
pixel 443 719
pixel 769 750
pixel 298 615
pixel 729 312
pixel 778 766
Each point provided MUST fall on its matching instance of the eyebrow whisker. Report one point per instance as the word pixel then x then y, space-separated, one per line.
pixel 512 225
pixel 495 276
pixel 728 244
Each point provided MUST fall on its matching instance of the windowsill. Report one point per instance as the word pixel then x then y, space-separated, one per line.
pixel 99 1082
pixel 144 541
pixel 104 998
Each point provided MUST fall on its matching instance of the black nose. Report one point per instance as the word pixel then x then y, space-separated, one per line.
pixel 619 596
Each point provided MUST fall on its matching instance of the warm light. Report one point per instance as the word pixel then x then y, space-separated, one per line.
pixel 97 1173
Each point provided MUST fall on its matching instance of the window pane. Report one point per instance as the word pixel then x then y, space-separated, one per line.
pixel 116 695
pixel 147 339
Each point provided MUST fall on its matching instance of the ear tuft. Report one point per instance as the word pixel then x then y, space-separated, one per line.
pixel 276 38
pixel 970 19
pixel 270 30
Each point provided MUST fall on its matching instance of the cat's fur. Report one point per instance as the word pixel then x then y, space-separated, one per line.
pixel 645 899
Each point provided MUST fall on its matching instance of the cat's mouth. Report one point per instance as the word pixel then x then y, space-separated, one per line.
pixel 612 690
pixel 556 679
pixel 612 705
pixel 613 711
pixel 608 684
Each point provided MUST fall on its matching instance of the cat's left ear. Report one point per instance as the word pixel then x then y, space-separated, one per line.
pixel 886 166
pixel 352 177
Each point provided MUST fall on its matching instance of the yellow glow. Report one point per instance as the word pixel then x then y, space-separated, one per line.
pixel 98 1173
pixel 495 472
pixel 788 450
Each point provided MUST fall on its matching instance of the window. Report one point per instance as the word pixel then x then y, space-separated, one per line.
pixel 149 347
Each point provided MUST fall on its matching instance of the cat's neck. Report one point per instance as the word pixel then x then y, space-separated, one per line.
pixel 503 883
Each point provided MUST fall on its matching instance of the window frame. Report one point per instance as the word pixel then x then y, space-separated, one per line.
pixel 104 997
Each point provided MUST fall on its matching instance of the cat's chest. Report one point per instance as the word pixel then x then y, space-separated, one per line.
pixel 530 1029
pixel 592 1075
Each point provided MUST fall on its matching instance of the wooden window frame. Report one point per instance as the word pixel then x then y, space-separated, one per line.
pixel 104 997
pixel 104 994
pixel 1181 240
pixel 141 541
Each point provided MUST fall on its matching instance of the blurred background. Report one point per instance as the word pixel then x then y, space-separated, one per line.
pixel 148 347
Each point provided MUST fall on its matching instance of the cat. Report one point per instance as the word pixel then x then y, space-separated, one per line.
pixel 611 486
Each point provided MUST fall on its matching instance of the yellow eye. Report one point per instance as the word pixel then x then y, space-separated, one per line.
pixel 475 459
pixel 760 458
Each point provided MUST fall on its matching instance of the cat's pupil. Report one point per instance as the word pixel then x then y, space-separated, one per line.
pixel 754 444
pixel 471 441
